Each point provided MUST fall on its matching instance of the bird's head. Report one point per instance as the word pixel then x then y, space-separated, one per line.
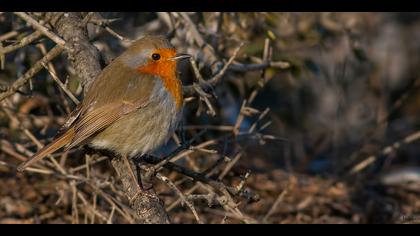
pixel 153 55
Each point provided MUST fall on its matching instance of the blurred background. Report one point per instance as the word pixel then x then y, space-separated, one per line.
pixel 343 113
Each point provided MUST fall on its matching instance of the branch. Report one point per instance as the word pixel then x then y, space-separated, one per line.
pixel 230 65
pixel 386 151
pixel 190 90
pixel 84 57
pixel 21 43
pixel 38 26
pixel 181 195
pixel 31 72
pixel 239 67
pixel 147 205
pixel 219 186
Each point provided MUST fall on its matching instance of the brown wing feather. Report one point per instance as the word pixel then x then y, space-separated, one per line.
pixel 71 118
pixel 100 118
pixel 116 92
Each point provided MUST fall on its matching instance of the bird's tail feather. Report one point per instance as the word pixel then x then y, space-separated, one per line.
pixel 56 144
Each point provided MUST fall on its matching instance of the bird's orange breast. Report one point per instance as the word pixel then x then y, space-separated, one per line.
pixel 165 69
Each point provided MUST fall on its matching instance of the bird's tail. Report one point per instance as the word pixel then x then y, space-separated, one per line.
pixel 56 144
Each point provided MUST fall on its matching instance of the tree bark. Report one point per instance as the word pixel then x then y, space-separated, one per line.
pixel 84 57
pixel 149 208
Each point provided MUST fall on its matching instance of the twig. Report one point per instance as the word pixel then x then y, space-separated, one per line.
pixel 229 166
pixel 104 23
pixel 82 167
pixel 386 151
pixel 101 21
pixel 90 207
pixel 31 72
pixel 7 148
pixel 220 74
pixel 207 48
pixel 195 176
pixel 197 73
pixel 241 67
pixel 263 81
pixel 33 138
pixel 42 29
pixel 74 212
pixel 227 128
pixel 260 117
pixel 95 198
pixel 273 208
pixel 175 154
pixel 111 201
pixel 240 118
pixel 111 215
pixel 2 58
pixel 50 68
pixel 10 34
pixel 178 201
pixel 232 215
pixel 21 43
pixel 189 90
pixel 181 195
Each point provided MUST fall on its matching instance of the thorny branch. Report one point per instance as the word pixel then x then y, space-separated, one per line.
pixel 31 72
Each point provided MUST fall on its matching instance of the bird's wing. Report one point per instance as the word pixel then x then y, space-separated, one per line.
pixel 71 118
pixel 83 128
pixel 100 118
pixel 118 91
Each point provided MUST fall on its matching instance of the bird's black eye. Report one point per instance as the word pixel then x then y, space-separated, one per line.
pixel 155 56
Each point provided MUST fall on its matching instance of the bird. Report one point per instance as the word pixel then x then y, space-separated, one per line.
pixel 131 108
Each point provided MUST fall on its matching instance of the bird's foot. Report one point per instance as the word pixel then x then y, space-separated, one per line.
pixel 145 172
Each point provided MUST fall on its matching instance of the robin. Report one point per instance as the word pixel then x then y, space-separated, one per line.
pixel 131 108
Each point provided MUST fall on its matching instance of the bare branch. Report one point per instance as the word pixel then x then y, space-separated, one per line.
pixel 31 72
pixel 181 195
pixel 83 56
pixel 42 29
pixel 189 90
pixel 21 43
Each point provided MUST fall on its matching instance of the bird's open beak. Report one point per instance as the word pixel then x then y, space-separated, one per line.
pixel 180 56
